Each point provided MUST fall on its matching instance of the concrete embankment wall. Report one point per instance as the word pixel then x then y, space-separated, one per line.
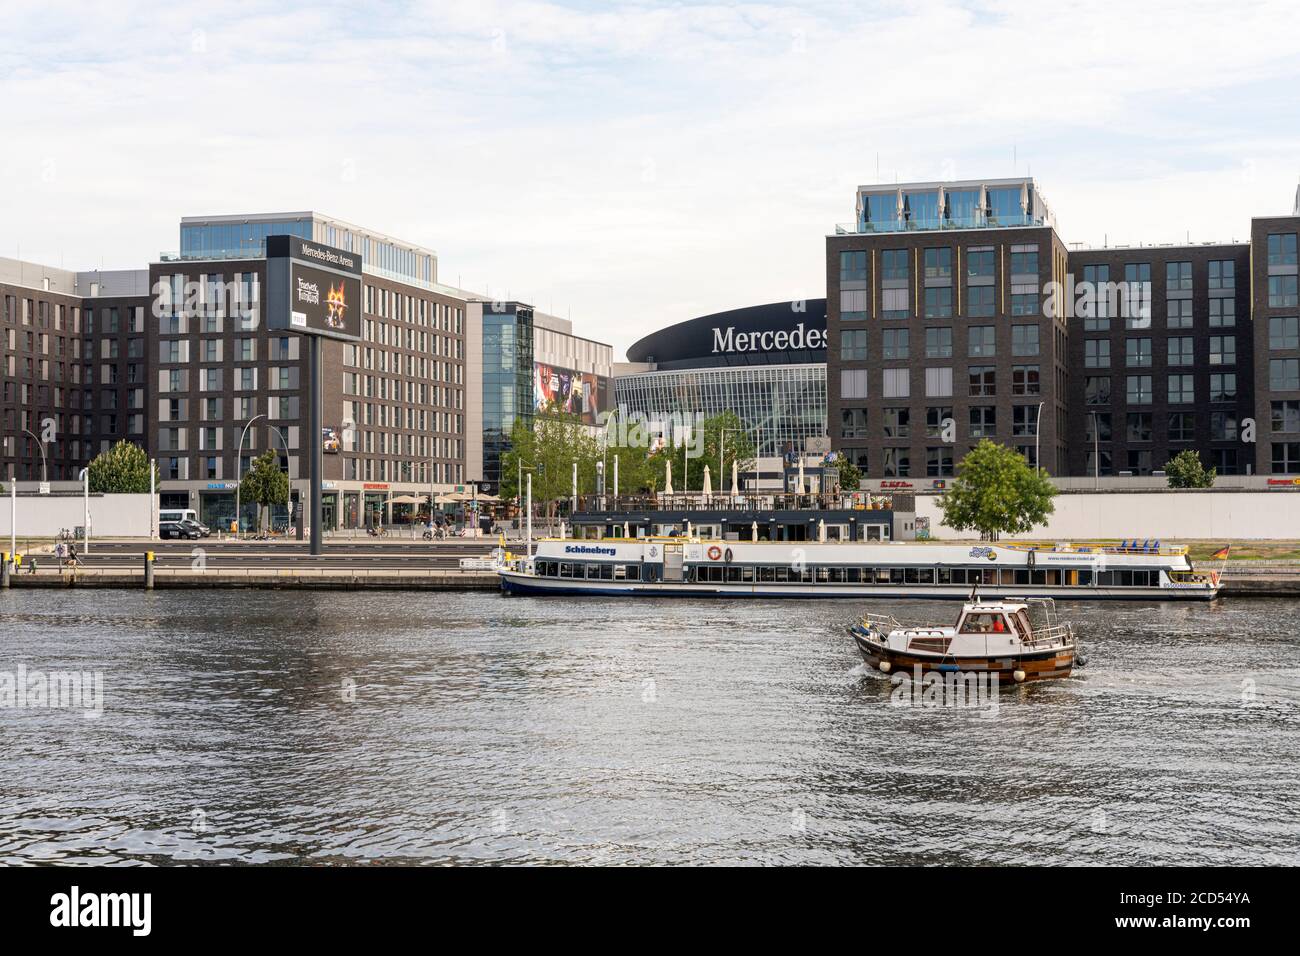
pixel 287 578
pixel 111 516
pixel 1206 515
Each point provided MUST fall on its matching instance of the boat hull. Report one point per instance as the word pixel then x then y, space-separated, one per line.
pixel 515 582
pixel 1035 665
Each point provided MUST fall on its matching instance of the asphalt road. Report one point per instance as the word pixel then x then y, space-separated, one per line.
pixel 341 553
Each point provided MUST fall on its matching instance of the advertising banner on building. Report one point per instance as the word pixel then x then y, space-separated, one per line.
pixel 329 440
pixel 577 393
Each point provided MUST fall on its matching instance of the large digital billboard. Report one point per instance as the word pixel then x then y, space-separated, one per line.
pixel 578 393
pixel 313 288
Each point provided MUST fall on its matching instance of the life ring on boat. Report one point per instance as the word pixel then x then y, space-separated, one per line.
pixel 715 553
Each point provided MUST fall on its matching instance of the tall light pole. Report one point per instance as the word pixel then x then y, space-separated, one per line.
pixel 41 445
pixel 238 463
pixel 288 479
pixel 85 511
pixel 1038 468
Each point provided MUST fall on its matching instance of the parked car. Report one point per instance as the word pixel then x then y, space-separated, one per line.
pixel 178 529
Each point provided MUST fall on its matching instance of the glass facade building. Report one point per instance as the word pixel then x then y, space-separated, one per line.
pixel 780 405
pixel 507 380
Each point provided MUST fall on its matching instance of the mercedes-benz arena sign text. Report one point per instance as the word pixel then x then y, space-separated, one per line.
pixel 728 340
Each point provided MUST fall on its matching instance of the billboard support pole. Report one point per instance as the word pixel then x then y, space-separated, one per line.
pixel 317 456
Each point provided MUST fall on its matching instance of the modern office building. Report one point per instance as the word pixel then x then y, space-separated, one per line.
pixel 522 361
pixel 956 313
pixel 766 363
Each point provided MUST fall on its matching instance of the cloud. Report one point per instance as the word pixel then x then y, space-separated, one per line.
pixel 632 164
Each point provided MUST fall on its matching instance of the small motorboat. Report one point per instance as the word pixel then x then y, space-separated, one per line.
pixel 999 638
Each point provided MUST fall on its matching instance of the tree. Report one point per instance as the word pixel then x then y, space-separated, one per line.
pixel 726 440
pixel 850 474
pixel 121 470
pixel 548 449
pixel 996 492
pixel 1185 470
pixel 265 483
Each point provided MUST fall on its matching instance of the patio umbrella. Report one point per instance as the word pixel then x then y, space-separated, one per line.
pixel 409 500
pixel 801 474
pixel 708 482
pixel 821 530
pixel 668 477
pixel 735 488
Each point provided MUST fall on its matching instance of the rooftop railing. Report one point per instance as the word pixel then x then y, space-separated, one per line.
pixel 937 225
pixel 698 501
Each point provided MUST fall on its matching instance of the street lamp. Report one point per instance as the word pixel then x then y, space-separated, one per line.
pixel 239 461
pixel 41 445
pixel 1038 468
pixel 1096 453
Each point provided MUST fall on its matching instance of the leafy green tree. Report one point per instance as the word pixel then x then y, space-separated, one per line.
pixel 997 492
pixel 726 440
pixel 1185 470
pixel 850 474
pixel 265 483
pixel 121 470
pixel 548 449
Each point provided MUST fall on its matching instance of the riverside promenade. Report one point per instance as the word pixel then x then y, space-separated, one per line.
pixel 389 563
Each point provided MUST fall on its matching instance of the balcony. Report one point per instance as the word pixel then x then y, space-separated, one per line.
pixel 938 225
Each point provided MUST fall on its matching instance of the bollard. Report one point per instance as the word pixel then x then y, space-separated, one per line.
pixel 5 571
pixel 148 570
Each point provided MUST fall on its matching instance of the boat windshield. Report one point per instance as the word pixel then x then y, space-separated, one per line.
pixel 984 624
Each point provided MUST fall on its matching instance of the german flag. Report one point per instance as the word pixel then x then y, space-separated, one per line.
pixel 1221 554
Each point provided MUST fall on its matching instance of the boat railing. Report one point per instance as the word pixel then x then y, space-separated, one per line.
pixel 1133 546
pixel 1051 634
pixel 887 622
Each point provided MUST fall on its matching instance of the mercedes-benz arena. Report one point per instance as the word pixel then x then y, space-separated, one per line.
pixel 767 363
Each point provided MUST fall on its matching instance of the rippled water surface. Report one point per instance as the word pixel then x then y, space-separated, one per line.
pixel 298 727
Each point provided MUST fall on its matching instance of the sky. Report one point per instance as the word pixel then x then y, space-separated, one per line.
pixel 633 165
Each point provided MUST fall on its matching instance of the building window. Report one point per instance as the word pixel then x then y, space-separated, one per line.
pixel 983 421
pixel 938 263
pixel 896 422
pixel 1137 353
pixel 1284 332
pixel 938 382
pixel 896 344
pixel 1098 422
pixel 1024 420
pixel 1138 426
pixel 853 345
pixel 1182 389
pixel 1024 340
pixel 1223 350
pixel 938 302
pixel 1223 426
pixel 1024 380
pixel 853 266
pixel 1024 303
pixel 1286 417
pixel 937 418
pixel 1179 312
pixel 1223 313
pixel 853 423
pixel 1223 274
pixel 1178 277
pixel 893 264
pixel 1286 457
pixel 1284 375
pixel 1282 292
pixel 895 304
pixel 853 305
pixel 853 382
pixel 896 462
pixel 1182 425
pixel 979 302
pixel 1223 387
pixel 1139 390
pixel 1096 281
pixel 981 341
pixel 1096 353
pixel 1225 460
pixel 1181 350
pixel 1100 463
pixel 895 383
pixel 938 343
pixel 979 264
pixel 938 462
pixel 1139 461
pixel 1024 263
pixel 1282 250
pixel 983 381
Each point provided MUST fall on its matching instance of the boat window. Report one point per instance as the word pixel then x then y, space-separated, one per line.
pixel 990 575
pixel 959 576
pixel 607 572
pixel 1022 576
pixel 882 575
pixel 911 575
pixel 747 574
pixel 1007 575
pixel 837 575
pixel 1038 577
pixel 634 572
pixel 783 574
pixel 984 624
pixel 733 574
pixel 943 575
pixel 1085 578
pixel 1022 624
pixel 566 570
pixel 926 575
pixel 896 576
pixel 767 574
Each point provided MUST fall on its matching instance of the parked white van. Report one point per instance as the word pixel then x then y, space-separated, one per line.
pixel 168 515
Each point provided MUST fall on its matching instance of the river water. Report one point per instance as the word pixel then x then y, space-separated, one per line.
pixel 333 728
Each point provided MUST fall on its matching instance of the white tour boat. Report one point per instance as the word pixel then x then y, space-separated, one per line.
pixel 999 638
pixel 663 566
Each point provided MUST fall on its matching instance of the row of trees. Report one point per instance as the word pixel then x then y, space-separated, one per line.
pixel 124 469
pixel 548 448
